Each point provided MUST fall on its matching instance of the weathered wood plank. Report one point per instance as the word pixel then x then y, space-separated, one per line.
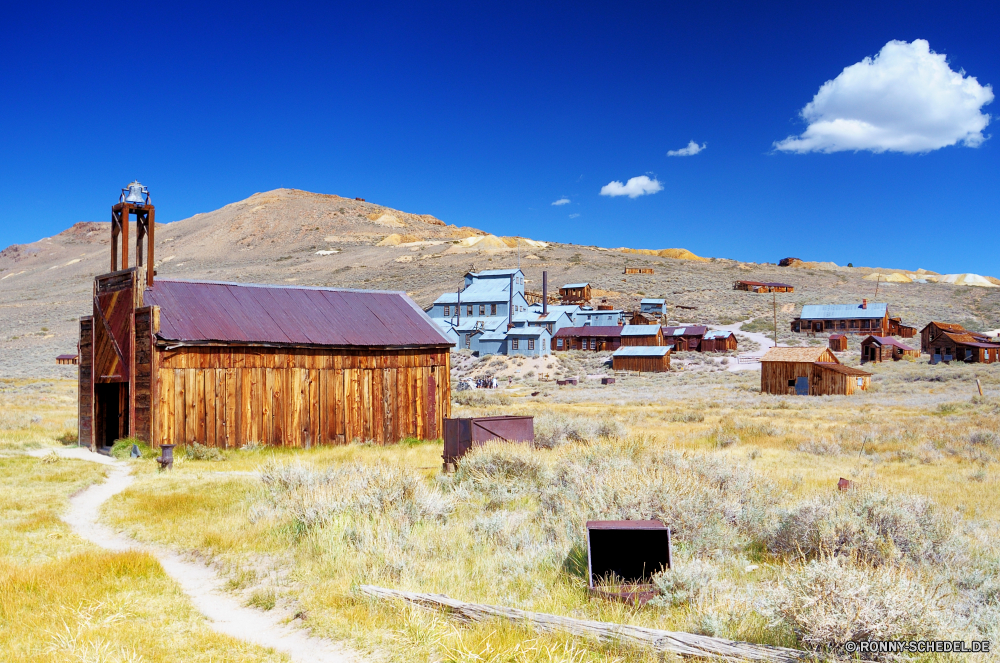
pixel 673 642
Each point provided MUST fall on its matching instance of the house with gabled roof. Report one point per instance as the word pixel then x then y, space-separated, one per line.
pixel 684 339
pixel 814 371
pixel 881 348
pixel 863 318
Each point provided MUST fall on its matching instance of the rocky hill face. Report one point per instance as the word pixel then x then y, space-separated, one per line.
pixel 296 237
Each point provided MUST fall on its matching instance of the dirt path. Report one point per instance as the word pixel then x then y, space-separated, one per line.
pixel 201 583
pixel 766 343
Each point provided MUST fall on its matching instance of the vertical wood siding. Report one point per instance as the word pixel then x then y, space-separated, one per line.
pixel 229 396
pixel 85 416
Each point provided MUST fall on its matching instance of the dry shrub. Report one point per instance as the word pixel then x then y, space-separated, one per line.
pixel 828 602
pixel 872 526
pixel 480 398
pixel 553 430
pixel 821 448
pixel 500 472
pixel 684 584
pixel 709 503
pixel 730 431
pixel 311 498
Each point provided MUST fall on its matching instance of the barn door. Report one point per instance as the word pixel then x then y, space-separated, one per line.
pixel 801 386
pixel 114 328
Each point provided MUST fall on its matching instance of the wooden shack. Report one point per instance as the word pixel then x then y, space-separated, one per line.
pixel 879 348
pixel 838 342
pixel 897 328
pixel 934 330
pixel 685 339
pixel 809 372
pixel 640 318
pixel 635 335
pixel 642 359
pixel 966 346
pixel 596 339
pixel 757 286
pixel 68 360
pixel 638 270
pixel 716 340
pixel 575 293
pixel 864 318
pixel 227 364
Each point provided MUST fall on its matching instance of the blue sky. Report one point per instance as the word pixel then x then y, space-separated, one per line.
pixel 485 115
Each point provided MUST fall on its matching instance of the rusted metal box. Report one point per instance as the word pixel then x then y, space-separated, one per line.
pixel 607 380
pixel 628 553
pixel 460 435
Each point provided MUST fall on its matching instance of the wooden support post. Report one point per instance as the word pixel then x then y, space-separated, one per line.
pixel 979 386
pixel 126 214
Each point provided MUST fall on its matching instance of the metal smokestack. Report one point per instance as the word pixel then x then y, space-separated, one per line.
pixel 545 293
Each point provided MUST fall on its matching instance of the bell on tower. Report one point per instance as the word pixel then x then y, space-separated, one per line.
pixel 134 201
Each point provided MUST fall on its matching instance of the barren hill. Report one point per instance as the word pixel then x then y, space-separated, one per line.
pixel 288 236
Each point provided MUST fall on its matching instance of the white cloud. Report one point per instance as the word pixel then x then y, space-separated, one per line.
pixel 905 99
pixel 635 187
pixel 573 216
pixel 692 149
pixel 562 201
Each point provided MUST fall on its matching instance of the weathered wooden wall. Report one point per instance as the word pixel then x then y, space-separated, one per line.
pixel 85 415
pixel 826 382
pixel 774 375
pixel 643 340
pixel 230 396
pixel 641 364
pixel 142 382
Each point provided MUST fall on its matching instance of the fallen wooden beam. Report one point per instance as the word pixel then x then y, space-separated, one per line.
pixel 683 644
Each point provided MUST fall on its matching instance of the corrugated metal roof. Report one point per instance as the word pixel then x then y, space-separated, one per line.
pixel 592 312
pixel 843 311
pixel 575 285
pixel 593 330
pixel 642 351
pixel 489 291
pixel 796 355
pixel 693 330
pixel 718 333
pixel 652 301
pixel 527 331
pixel 205 311
pixel 967 338
pixel 495 272
pixel 640 330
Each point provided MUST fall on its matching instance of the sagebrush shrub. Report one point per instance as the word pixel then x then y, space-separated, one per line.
pixel 684 584
pixel 828 602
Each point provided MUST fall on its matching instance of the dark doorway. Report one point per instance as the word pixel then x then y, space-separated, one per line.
pixel 110 413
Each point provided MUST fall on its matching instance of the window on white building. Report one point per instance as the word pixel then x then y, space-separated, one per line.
pixel 447 311
pixel 531 344
pixel 513 344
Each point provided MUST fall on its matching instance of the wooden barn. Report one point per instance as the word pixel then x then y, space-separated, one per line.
pixel 809 372
pixel 879 348
pixel 685 339
pixel 634 335
pixel 226 364
pixel 597 339
pixel 717 340
pixel 575 293
pixel 68 360
pixel 642 359
pixel 757 286
pixel 838 342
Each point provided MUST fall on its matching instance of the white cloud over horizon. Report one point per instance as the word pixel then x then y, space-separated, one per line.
pixel 635 187
pixel 692 149
pixel 562 201
pixel 573 216
pixel 905 99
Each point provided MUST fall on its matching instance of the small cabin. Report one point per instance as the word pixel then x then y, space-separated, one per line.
pixel 757 286
pixel 933 331
pixel 68 360
pixel 635 335
pixel 685 339
pixel 654 307
pixel 717 340
pixel 638 270
pixel 965 347
pixel 879 348
pixel 897 328
pixel 809 372
pixel 575 293
pixel 596 339
pixel 640 318
pixel 641 359
pixel 838 342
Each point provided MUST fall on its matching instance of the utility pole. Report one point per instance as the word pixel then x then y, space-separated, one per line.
pixel 774 296
pixel 878 279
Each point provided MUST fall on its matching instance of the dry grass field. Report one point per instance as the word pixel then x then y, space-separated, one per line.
pixel 747 483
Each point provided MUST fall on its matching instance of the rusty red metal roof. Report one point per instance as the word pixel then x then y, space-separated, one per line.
pixel 205 312
pixel 589 331
pixel 625 524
